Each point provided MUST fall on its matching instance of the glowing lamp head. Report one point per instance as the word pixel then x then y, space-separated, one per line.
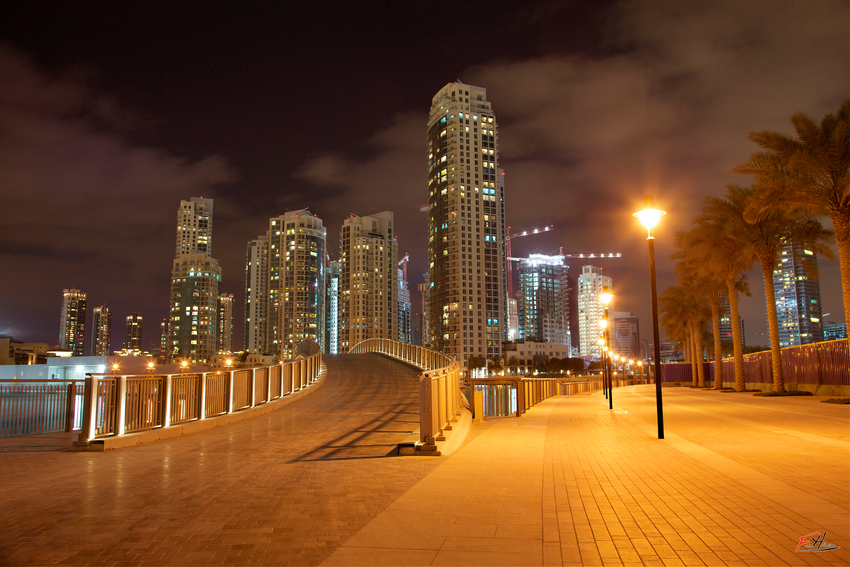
pixel 184 364
pixel 650 216
pixel 150 364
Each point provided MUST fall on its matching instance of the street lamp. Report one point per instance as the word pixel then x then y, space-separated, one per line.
pixel 649 217
pixel 605 298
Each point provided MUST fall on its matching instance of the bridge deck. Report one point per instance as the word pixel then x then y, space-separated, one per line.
pixel 738 481
pixel 283 488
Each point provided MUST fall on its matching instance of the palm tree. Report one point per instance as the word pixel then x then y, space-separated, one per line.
pixel 513 363
pixel 809 172
pixel 680 319
pixel 762 239
pixel 723 256
pixel 695 268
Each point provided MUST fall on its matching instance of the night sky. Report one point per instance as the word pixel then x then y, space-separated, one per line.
pixel 111 113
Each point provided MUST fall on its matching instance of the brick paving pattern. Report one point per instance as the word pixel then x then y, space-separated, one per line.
pixel 284 488
pixel 737 481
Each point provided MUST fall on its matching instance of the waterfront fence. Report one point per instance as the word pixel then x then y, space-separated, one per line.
pixel 825 363
pixel 120 404
pixel 40 406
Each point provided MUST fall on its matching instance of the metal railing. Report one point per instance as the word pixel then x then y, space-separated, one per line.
pixel 116 405
pixel 39 406
pixel 504 396
pixel 440 398
pixel 824 363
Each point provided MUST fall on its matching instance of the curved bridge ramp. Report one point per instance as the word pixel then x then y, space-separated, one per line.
pixel 284 488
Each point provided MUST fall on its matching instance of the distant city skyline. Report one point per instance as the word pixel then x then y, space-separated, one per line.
pixel 103 130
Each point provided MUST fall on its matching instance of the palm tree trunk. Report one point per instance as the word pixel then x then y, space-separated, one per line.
pixel 773 325
pixel 841 224
pixel 692 354
pixel 698 351
pixel 737 340
pixel 718 348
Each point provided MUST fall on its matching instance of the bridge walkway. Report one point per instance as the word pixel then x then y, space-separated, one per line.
pixel 284 488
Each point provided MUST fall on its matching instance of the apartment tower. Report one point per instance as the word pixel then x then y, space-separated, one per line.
pixel 797 293
pixel 296 282
pixel 225 323
pixel 591 309
pixel 195 286
pixel 466 226
pixel 133 332
pixel 545 313
pixel 368 258
pixel 72 324
pixel 256 294
pixel 101 331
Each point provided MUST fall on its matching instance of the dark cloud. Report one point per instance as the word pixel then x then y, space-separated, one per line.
pixel 81 203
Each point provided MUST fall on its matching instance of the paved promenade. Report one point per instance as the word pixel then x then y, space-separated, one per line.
pixel 738 481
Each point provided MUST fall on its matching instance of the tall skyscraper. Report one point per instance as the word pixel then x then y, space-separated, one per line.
pixel 332 289
pixel 194 226
pixel 591 310
pixel 368 258
pixel 195 286
pixel 543 282
pixel 625 334
pixel 195 291
pixel 424 336
pixel 726 323
pixel 256 294
pixel 133 332
pixel 225 323
pixel 405 323
pixel 296 282
pixel 72 325
pixel 101 331
pixel 466 226
pixel 797 292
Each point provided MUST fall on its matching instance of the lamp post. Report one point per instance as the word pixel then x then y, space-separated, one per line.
pixel 605 298
pixel 649 217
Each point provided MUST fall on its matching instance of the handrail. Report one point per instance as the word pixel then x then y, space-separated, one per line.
pixel 120 404
pixel 440 398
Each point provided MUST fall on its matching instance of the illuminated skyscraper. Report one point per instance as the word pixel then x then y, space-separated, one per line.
pixel 195 291
pixel 332 289
pixel 466 226
pixel 195 286
pixel 368 258
pixel 296 282
pixel 194 226
pixel 225 323
pixel 133 332
pixel 545 314
pixel 101 331
pixel 256 294
pixel 72 325
pixel 625 334
pixel 591 310
pixel 797 292
pixel 405 309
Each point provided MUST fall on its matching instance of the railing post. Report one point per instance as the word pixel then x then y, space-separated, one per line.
pixel 229 393
pixel 427 418
pixel 202 396
pixel 121 406
pixel 88 431
pixel 166 401
pixel 252 383
pixel 69 407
